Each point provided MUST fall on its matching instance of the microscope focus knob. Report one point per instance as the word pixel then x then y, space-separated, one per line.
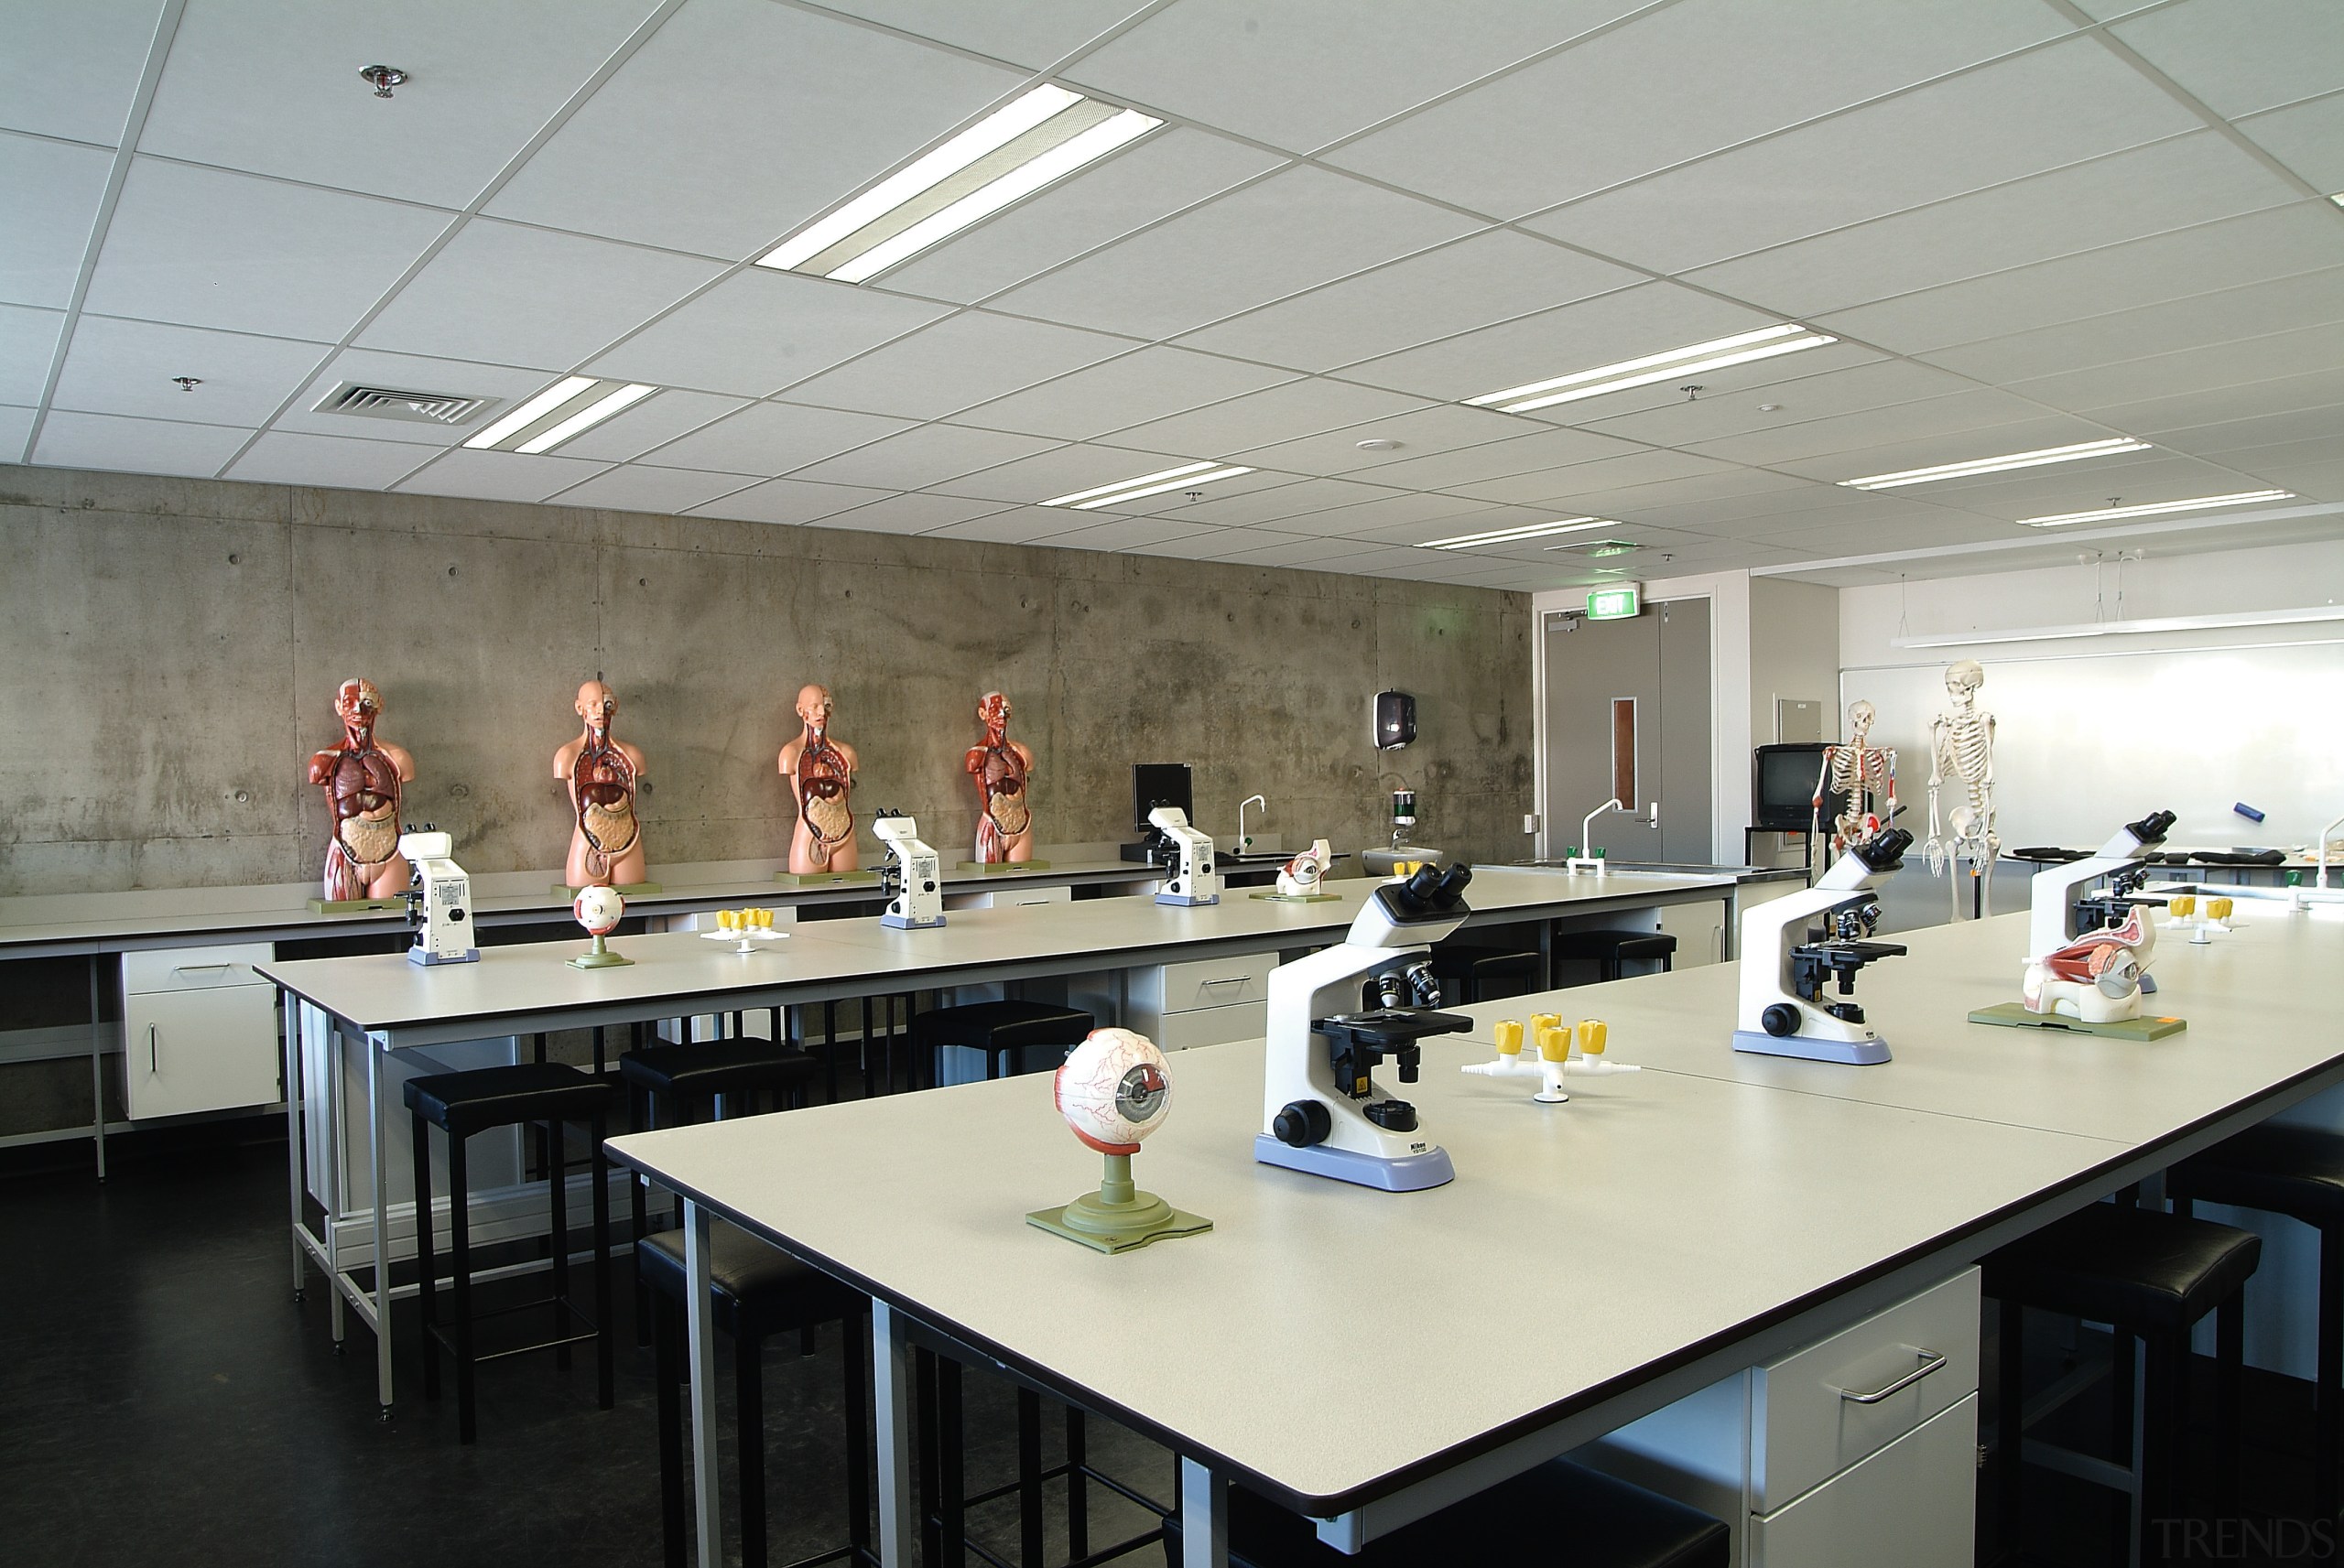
pixel 1302 1124
pixel 1780 1020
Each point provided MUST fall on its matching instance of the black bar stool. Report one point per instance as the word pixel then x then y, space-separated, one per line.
pixel 1607 950
pixel 2297 1172
pixel 758 1290
pixel 1560 1513
pixel 462 1104
pixel 1000 1028
pixel 2152 1276
pixel 1473 967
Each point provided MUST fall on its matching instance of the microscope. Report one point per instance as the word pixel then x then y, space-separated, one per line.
pixel 1786 966
pixel 2059 913
pixel 913 878
pixel 1192 879
pixel 440 904
pixel 1322 1111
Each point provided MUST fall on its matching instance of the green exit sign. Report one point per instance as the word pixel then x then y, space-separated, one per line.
pixel 1612 604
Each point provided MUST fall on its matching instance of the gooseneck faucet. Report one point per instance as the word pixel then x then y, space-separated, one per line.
pixel 1244 842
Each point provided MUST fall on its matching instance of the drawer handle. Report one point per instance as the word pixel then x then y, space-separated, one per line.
pixel 1930 1361
pixel 202 968
pixel 1231 980
pixel 151 1067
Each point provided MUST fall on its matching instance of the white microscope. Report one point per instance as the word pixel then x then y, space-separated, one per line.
pixel 440 901
pixel 2057 914
pixel 1785 969
pixel 1192 879
pixel 913 878
pixel 1323 1112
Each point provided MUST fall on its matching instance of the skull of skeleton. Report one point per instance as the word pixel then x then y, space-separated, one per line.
pixel 1860 718
pixel 1962 679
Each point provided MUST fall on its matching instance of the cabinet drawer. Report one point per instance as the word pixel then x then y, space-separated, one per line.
pixel 213 1048
pixel 1914 1503
pixel 192 968
pixel 1213 1025
pixel 1807 1425
pixel 1220 983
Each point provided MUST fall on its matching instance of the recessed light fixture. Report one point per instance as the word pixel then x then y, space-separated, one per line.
pixel 2035 459
pixel 1527 531
pixel 2153 509
pixel 1186 477
pixel 569 407
pixel 1783 337
pixel 1770 409
pixel 1378 443
pixel 1041 137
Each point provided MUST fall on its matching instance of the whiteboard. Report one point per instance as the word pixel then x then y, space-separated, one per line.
pixel 2084 743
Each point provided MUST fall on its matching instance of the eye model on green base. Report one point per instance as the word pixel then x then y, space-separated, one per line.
pixel 1113 1090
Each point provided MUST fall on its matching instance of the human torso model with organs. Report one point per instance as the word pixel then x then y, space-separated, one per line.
pixel 1003 772
pixel 821 775
pixel 606 844
pixel 361 777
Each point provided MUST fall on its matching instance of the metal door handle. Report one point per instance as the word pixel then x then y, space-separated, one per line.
pixel 1930 1361
pixel 151 1067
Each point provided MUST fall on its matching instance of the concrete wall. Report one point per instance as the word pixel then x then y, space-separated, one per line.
pixel 173 646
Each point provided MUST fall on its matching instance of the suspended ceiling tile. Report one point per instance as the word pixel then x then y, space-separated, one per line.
pixel 962 360
pixel 639 487
pixel 125 367
pixel 2314 481
pixel 758 331
pixel 501 385
pixel 1298 228
pixel 1736 489
pixel 1489 278
pixel 1583 482
pixel 1062 472
pixel 787 501
pixel 654 422
pixel 1726 71
pixel 16 427
pixel 1739 514
pixel 50 192
pixel 908 513
pixel 27 343
pixel 1304 72
pixel 1405 512
pixel 2056 106
pixel 498 476
pixel 135 445
pixel 272 86
pixel 2204 320
pixel 1723 412
pixel 1125 533
pixel 208 248
pixel 1172 169
pixel 1147 385
pixel 1927 448
pixel 2321 424
pixel 1649 319
pixel 926 455
pixel 72 69
pixel 1031 32
pixel 1864 429
pixel 2301 350
pixel 1498 460
pixel 1196 546
pixel 2171 185
pixel 282 456
pixel 2239 56
pixel 772 437
pixel 2185 410
pixel 1286 502
pixel 2150 478
pixel 1751 383
pixel 1279 413
pixel 1440 427
pixel 1176 500
pixel 739 121
pixel 1858 539
pixel 1013 525
pixel 531 296
pixel 2309 139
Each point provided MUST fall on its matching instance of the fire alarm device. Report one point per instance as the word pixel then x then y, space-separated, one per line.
pixel 1394 719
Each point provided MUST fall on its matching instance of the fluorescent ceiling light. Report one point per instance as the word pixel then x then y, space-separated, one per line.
pixel 570 406
pixel 2204 502
pixel 2307 616
pixel 1527 531
pixel 1123 496
pixel 1043 135
pixel 2108 449
pixel 1785 338
pixel 1123 484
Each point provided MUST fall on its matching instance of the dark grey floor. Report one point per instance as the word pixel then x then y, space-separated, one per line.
pixel 162 1399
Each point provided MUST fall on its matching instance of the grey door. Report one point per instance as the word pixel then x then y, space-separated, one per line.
pixel 1628 714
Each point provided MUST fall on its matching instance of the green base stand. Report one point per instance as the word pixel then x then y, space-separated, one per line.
pixel 1118 1216
pixel 1296 897
pixel 2015 1015
pixel 824 878
pixel 632 890
pixel 358 906
pixel 1003 867
pixel 599 958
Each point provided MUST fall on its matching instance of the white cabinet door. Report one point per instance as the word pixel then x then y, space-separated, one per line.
pixel 1913 1504
pixel 202 1049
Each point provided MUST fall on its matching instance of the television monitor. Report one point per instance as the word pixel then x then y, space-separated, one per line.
pixel 1782 788
pixel 1160 784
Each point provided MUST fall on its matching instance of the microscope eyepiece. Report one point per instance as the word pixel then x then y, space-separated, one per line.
pixel 1887 851
pixel 1453 883
pixel 2152 828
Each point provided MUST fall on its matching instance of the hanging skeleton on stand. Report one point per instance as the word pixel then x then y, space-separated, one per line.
pixel 1864 778
pixel 1961 752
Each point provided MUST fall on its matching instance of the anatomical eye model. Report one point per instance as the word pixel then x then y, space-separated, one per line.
pixel 1002 770
pixel 821 775
pixel 603 772
pixel 362 777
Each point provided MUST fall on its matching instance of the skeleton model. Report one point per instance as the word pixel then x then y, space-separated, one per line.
pixel 1865 777
pixel 361 777
pixel 606 846
pixel 1003 772
pixel 822 772
pixel 1961 752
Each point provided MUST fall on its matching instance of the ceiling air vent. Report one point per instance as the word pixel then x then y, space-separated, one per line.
pixel 390 403
pixel 1598 546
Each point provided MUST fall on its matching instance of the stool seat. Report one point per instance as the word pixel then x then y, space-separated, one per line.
pixel 2152 1272
pixel 718 1066
pixel 1001 1025
pixel 2295 1171
pixel 1601 944
pixel 461 1104
pixel 759 1289
pixel 1467 961
pixel 1559 1512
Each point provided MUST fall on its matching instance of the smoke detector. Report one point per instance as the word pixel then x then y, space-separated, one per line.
pixel 393 402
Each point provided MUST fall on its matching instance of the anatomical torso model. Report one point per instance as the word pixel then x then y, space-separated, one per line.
pixel 1865 775
pixel 821 775
pixel 1961 757
pixel 362 776
pixel 1003 772
pixel 606 846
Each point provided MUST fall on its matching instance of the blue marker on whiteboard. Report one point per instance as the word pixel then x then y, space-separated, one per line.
pixel 2247 811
